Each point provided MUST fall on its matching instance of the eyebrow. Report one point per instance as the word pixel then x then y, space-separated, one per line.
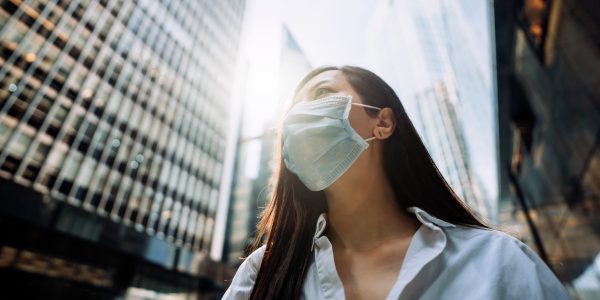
pixel 311 89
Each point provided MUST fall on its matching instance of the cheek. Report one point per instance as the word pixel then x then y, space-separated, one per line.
pixel 360 121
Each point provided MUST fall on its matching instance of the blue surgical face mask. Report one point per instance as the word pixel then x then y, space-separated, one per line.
pixel 319 145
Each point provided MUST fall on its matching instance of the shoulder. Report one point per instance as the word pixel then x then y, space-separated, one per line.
pixel 490 245
pixel 507 261
pixel 490 240
pixel 253 260
pixel 480 234
pixel 243 281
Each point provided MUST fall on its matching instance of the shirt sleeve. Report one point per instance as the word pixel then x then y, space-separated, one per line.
pixel 243 281
pixel 526 276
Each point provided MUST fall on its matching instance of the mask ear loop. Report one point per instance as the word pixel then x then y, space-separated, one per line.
pixel 367 106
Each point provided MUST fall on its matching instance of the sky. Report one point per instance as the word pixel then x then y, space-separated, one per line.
pixel 329 30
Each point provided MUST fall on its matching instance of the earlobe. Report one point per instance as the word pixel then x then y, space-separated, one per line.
pixel 379 132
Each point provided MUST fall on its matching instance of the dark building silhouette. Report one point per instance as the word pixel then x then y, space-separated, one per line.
pixel 548 74
pixel 112 138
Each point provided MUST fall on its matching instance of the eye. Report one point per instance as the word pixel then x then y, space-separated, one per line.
pixel 322 91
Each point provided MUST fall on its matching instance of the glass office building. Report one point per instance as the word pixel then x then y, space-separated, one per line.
pixel 547 56
pixel 437 113
pixel 256 159
pixel 116 112
pixel 428 52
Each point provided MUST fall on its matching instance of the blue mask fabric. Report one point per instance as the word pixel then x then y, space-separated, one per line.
pixel 319 145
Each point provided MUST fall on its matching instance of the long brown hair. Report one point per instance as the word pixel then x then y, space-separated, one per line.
pixel 288 222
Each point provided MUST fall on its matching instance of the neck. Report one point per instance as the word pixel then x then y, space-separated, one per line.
pixel 364 212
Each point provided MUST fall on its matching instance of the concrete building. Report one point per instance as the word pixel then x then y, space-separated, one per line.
pixel 113 118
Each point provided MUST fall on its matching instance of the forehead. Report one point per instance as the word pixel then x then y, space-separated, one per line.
pixel 331 76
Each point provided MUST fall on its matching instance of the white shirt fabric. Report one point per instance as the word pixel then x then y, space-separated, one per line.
pixel 443 261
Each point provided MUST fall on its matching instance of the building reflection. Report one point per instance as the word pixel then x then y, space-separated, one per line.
pixel 547 62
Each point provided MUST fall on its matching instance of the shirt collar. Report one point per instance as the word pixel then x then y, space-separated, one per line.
pixel 423 217
pixel 427 219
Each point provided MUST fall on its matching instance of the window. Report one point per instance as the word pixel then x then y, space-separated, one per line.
pixel 182 180
pixel 134 119
pixel 85 173
pixel 20 144
pixel 124 149
pixel 146 201
pixel 174 177
pixel 175 212
pixel 113 104
pixel 16 34
pixel 156 166
pixel 41 151
pixel 207 234
pixel 199 230
pixel 134 201
pixel 185 212
pixel 189 193
pixel 173 137
pixel 146 122
pixel 71 167
pixel 98 180
pixel 7 126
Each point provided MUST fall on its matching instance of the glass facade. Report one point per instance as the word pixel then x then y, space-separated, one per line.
pixel 119 108
pixel 437 114
pixel 255 161
pixel 430 54
pixel 546 55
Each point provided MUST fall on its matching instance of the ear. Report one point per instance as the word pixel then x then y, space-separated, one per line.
pixel 386 124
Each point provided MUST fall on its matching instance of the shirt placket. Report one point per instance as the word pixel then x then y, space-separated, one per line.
pixel 329 282
pixel 428 243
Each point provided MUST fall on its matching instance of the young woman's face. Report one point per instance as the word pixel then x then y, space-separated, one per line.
pixel 331 83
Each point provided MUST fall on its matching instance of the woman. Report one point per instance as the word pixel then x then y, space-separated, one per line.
pixel 360 211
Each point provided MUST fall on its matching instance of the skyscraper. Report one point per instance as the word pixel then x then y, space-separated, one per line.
pixel 255 162
pixel 113 119
pixel 436 111
pixel 420 48
pixel 547 56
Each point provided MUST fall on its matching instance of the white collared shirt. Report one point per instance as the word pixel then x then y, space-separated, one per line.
pixel 443 261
